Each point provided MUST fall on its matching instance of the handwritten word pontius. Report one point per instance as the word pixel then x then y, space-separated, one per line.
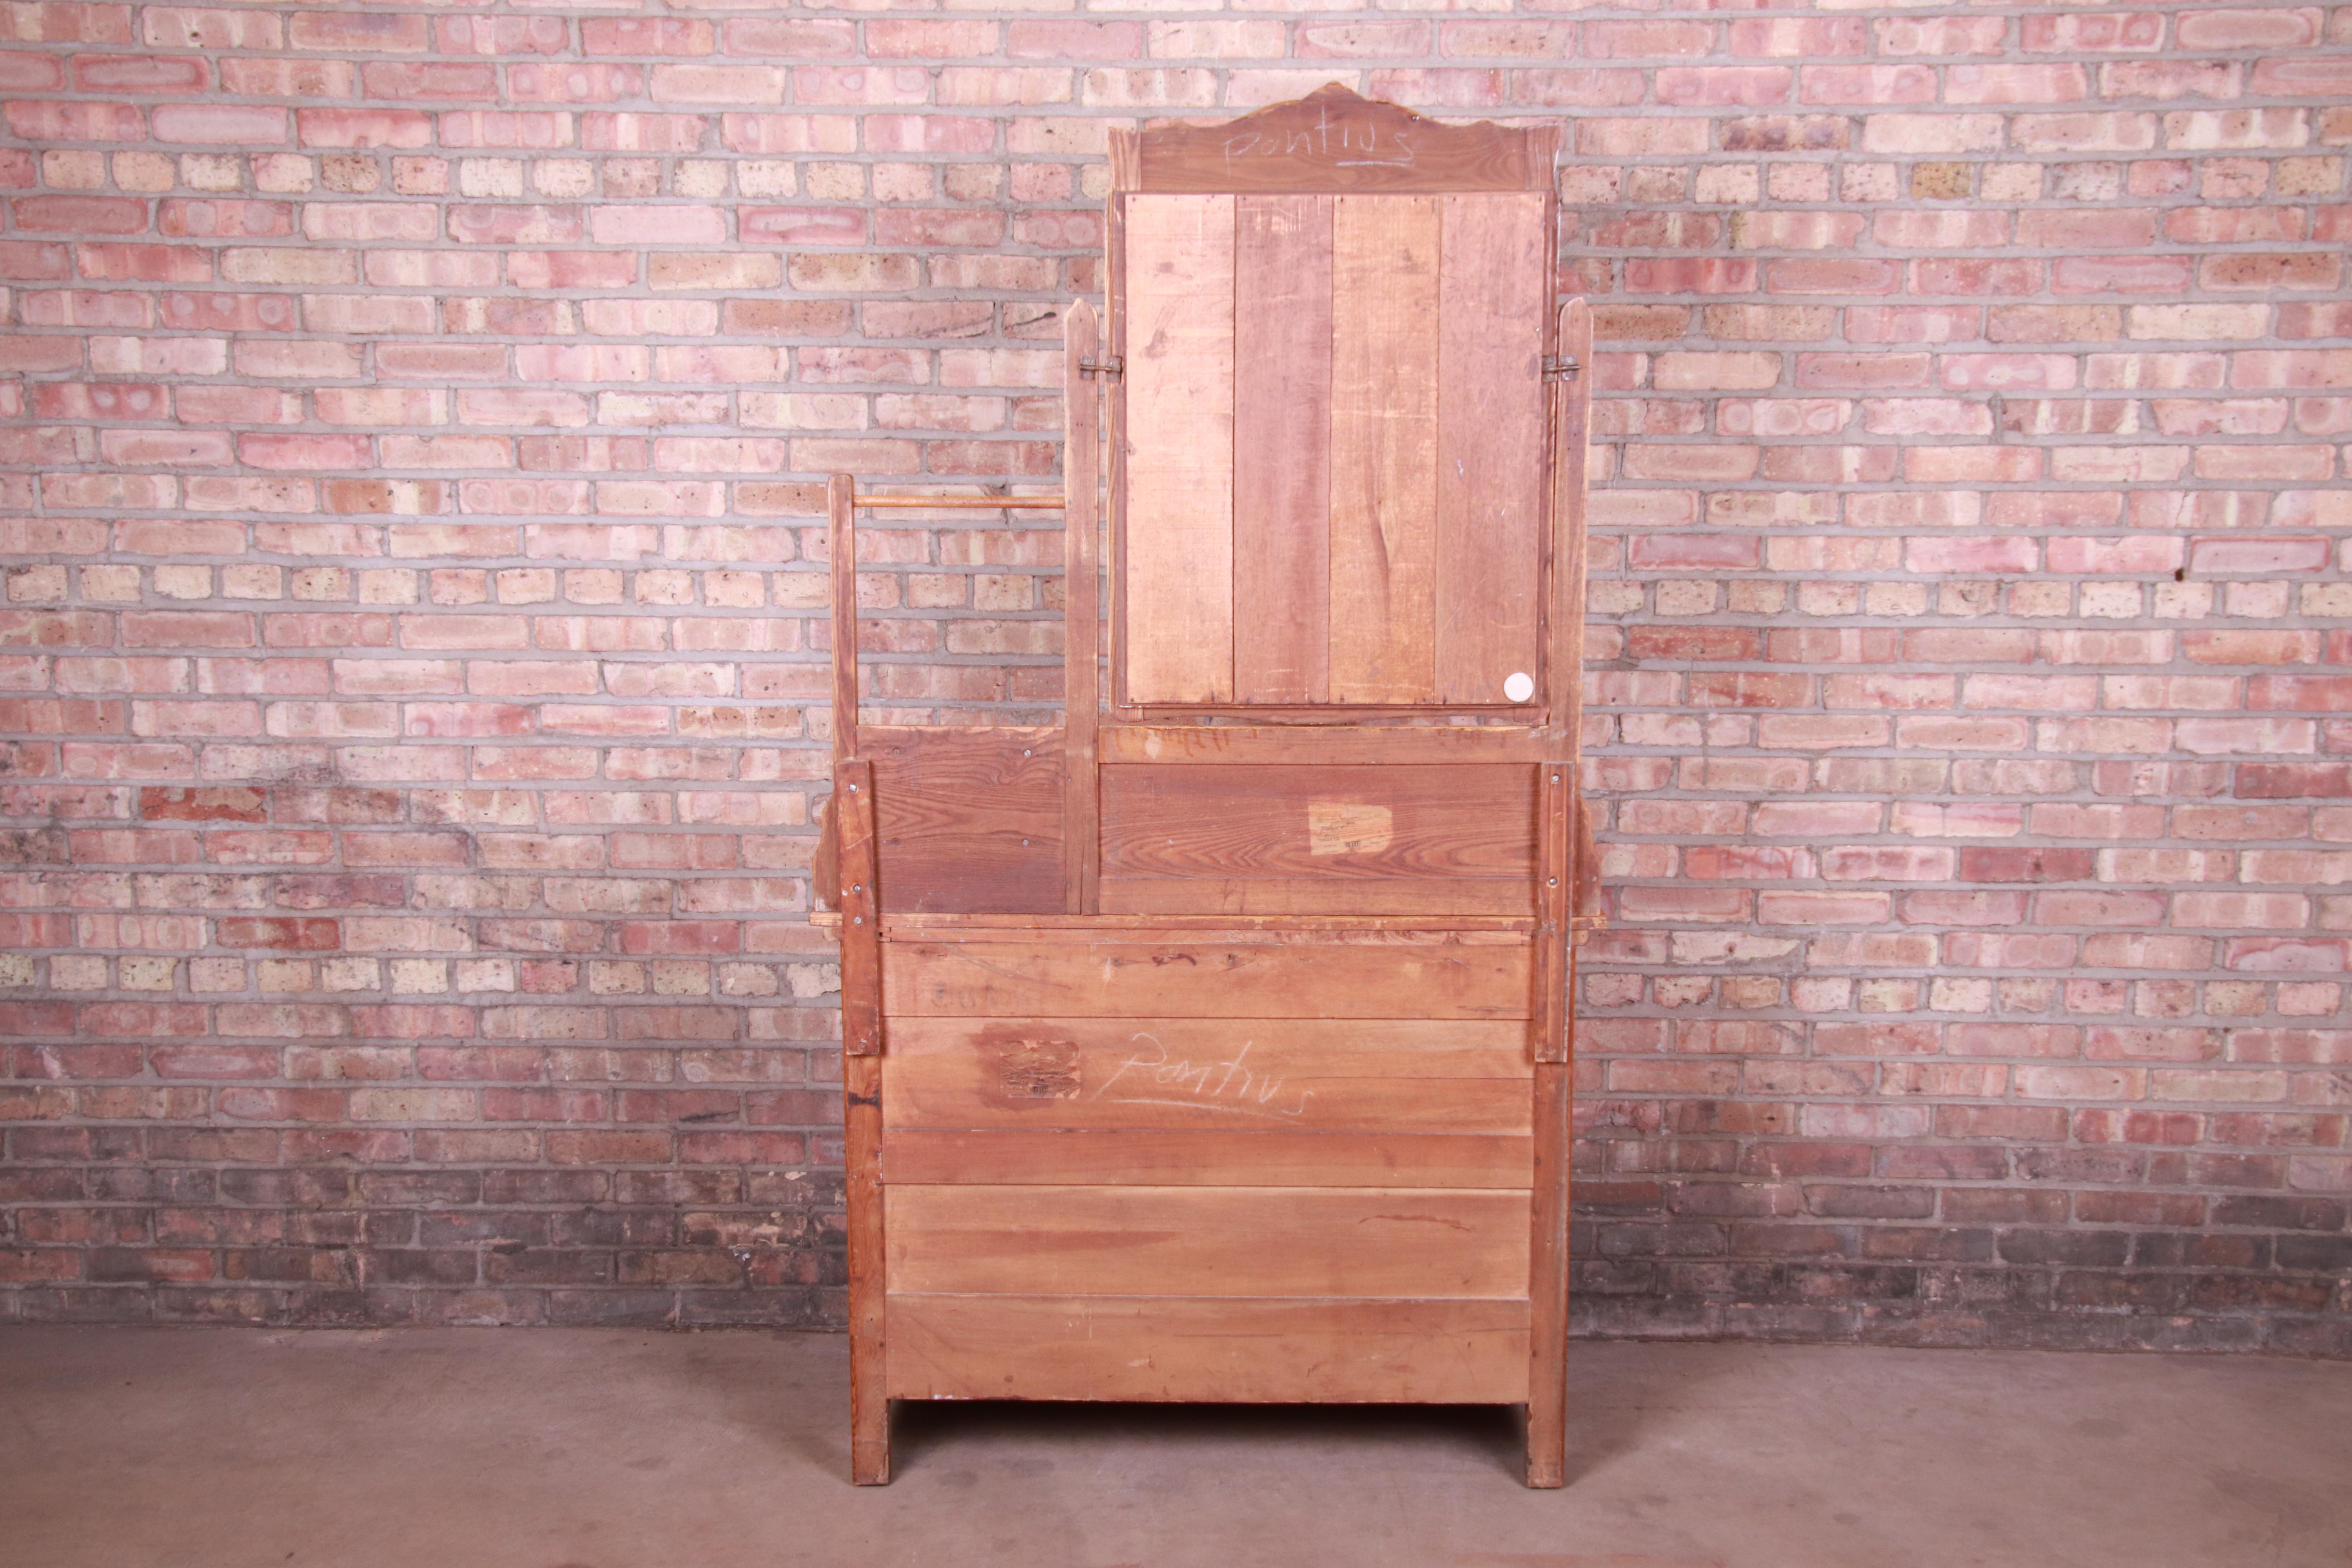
pixel 1362 140
pixel 1236 1088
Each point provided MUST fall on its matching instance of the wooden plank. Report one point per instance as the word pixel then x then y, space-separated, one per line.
pixel 1145 979
pixel 1208 1349
pixel 861 1096
pixel 1115 444
pixel 861 926
pixel 841 549
pixel 824 862
pixel 1262 1074
pixel 1179 382
pixel 1322 745
pixel 1158 1158
pixel 1125 151
pixel 1548 1281
pixel 1289 839
pixel 1082 597
pixel 986 928
pixel 1282 449
pixel 869 1402
pixel 1548 1028
pixel 861 1043
pixel 1333 140
pixel 1422 1242
pixel 1373 822
pixel 1571 451
pixel 1493 296
pixel 969 819
pixel 1383 449
pixel 1277 896
pixel 1587 872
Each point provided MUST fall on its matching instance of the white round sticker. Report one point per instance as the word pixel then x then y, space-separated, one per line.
pixel 1519 686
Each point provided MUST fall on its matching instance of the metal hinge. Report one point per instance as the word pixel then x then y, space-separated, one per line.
pixel 1109 365
pixel 1558 368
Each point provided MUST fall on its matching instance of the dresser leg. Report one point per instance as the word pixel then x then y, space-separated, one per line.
pixel 869 1440
pixel 1548 1284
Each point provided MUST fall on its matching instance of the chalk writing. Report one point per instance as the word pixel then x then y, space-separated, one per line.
pixel 1227 1085
pixel 1345 142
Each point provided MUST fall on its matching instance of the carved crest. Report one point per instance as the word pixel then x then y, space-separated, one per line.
pixel 1335 140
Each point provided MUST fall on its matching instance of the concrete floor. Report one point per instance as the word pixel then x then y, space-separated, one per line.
pixel 588 1448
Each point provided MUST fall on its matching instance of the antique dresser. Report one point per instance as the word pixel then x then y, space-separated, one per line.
pixel 1214 1043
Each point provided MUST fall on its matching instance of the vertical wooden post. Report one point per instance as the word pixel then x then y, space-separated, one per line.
pixel 1547 1303
pixel 1555 1009
pixel 1555 855
pixel 1548 1254
pixel 861 937
pixel 1571 431
pixel 1081 670
pixel 858 900
pixel 861 1098
pixel 1114 336
pixel 841 548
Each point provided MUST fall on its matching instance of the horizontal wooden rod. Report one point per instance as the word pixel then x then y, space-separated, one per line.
pixel 968 503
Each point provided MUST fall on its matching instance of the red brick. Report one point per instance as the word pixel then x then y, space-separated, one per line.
pixel 1920 585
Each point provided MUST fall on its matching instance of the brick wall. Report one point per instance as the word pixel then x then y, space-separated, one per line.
pixel 411 442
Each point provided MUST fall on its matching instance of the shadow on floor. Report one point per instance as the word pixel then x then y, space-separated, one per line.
pixel 926 1432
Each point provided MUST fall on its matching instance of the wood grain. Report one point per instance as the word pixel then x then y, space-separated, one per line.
pixel 1411 929
pixel 1288 840
pixel 968 818
pixel 1587 866
pixel 1179 385
pixel 1115 441
pixel 1082 598
pixel 1548 1281
pixel 1383 449
pixel 1368 897
pixel 1333 140
pixel 861 924
pixel 1332 745
pixel 841 548
pixel 1124 150
pixel 869 1401
pixel 1365 823
pixel 1154 1157
pixel 861 1106
pixel 1145 979
pixel 1208 1349
pixel 1271 1076
pixel 1571 449
pixel 1282 449
pixel 1422 1242
pixel 1555 878
pixel 1493 296
pixel 824 861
